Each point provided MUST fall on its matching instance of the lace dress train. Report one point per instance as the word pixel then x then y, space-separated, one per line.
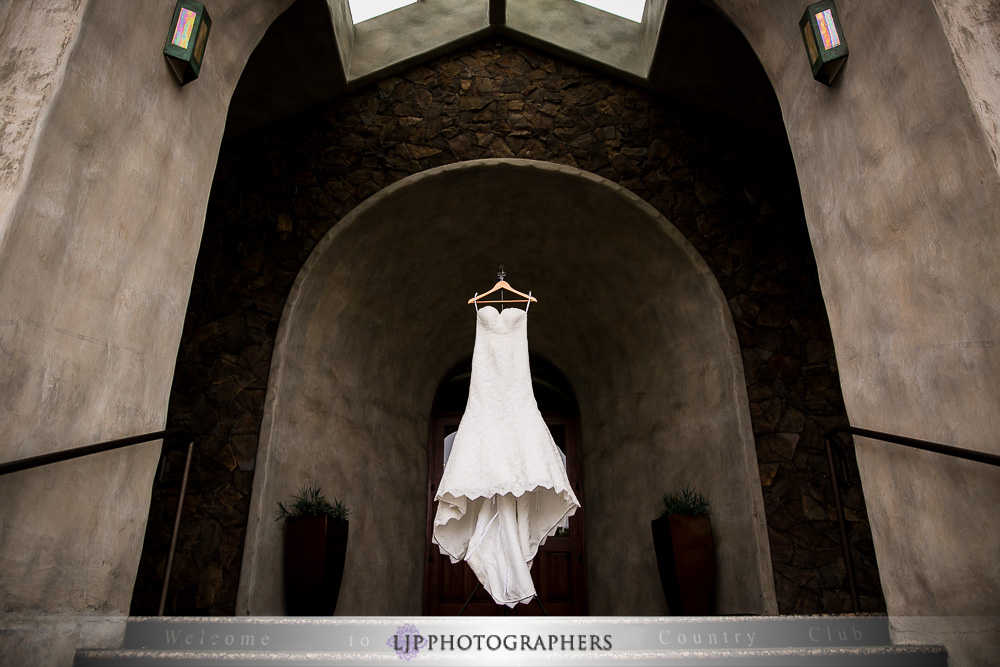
pixel 504 489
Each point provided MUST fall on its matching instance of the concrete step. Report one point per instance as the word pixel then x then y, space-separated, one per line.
pixel 884 656
pixel 703 641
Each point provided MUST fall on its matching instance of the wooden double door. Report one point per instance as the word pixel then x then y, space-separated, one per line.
pixel 558 571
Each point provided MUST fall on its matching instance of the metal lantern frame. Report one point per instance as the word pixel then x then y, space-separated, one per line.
pixel 823 35
pixel 187 40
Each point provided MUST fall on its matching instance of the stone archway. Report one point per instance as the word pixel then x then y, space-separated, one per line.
pixel 626 308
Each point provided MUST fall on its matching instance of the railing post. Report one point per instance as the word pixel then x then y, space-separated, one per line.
pixel 845 547
pixel 948 450
pixel 177 528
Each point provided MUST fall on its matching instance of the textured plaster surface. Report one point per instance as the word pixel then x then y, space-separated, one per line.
pixel 648 343
pixel 429 26
pixel 971 640
pixel 652 28
pixel 34 40
pixel 62 632
pixel 900 192
pixel 598 36
pixel 95 271
pixel 973 31
pixel 343 29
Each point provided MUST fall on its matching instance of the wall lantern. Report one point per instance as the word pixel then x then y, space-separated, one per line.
pixel 824 37
pixel 186 40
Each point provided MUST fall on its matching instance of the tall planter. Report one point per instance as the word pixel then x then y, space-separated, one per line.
pixel 685 555
pixel 315 550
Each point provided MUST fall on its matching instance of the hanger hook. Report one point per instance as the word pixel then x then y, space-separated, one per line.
pixel 501 274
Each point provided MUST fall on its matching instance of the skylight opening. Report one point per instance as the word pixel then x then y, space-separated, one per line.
pixel 627 9
pixel 362 10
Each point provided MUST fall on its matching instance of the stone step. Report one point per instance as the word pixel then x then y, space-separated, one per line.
pixel 870 656
pixel 500 640
pixel 625 633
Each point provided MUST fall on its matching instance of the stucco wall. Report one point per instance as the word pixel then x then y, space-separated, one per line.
pixel 428 26
pixel 973 31
pixel 602 38
pixel 34 40
pixel 378 316
pixel 95 271
pixel 900 191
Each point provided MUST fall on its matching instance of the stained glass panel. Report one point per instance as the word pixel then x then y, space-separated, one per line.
pixel 182 31
pixel 828 29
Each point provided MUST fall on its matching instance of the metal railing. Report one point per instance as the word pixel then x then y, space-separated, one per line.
pixel 926 445
pixel 177 433
pixel 108 445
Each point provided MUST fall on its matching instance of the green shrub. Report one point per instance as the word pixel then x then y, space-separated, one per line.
pixel 310 502
pixel 688 501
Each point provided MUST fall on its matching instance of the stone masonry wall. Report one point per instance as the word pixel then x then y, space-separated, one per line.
pixel 278 190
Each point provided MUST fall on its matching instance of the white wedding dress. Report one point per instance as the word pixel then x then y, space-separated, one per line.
pixel 504 488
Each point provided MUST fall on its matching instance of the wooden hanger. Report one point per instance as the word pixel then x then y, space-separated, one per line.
pixel 502 284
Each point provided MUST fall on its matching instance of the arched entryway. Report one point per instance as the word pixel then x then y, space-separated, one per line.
pixel 627 309
pixel 132 315
pixel 559 571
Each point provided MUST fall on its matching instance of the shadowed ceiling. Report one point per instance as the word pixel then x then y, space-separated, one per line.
pixel 683 49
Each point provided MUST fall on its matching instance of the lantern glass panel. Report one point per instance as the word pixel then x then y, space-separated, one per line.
pixel 182 31
pixel 807 35
pixel 828 29
pixel 199 45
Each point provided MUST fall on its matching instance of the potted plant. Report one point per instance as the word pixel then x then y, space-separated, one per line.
pixel 315 549
pixel 685 553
